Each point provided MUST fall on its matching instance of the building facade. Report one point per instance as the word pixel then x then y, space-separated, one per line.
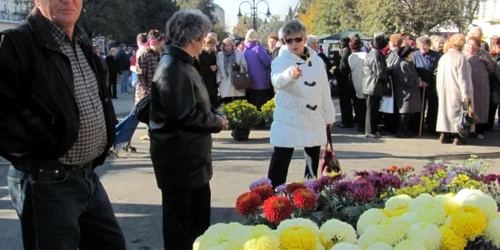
pixel 12 12
pixel 488 18
pixel 220 14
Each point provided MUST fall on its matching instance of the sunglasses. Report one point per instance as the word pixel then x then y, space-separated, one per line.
pixel 291 40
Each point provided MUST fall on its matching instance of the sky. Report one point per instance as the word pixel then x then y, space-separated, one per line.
pixel 276 7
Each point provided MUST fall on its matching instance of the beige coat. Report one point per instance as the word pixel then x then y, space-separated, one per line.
pixel 481 84
pixel 454 83
pixel 226 87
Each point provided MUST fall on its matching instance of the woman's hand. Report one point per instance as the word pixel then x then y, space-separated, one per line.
pixel 296 73
pixel 466 100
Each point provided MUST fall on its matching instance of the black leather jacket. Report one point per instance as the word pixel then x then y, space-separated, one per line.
pixel 38 111
pixel 181 123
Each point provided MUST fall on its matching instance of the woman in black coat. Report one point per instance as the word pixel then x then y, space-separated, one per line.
pixel 208 70
pixel 112 72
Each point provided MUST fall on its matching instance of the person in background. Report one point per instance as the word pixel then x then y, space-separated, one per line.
pixel 356 61
pixel 376 76
pixel 230 60
pixel 112 72
pixel 313 43
pixel 392 58
pixel 259 63
pixel 123 61
pixel 240 45
pixel 208 69
pixel 133 62
pixel 346 90
pixel 438 44
pixel 181 126
pixel 304 107
pixel 406 91
pixel 426 61
pixel 481 68
pixel 477 32
pixel 272 49
pixel 454 86
pixel 495 53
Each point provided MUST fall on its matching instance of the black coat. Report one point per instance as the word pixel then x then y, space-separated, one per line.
pixel 205 61
pixel 112 68
pixel 123 61
pixel 38 111
pixel 181 123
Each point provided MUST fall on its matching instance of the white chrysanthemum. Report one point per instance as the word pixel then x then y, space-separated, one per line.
pixel 410 217
pixel 420 202
pixel 369 237
pixel 409 244
pixel 483 202
pixel 380 246
pixel 427 233
pixel 492 231
pixel 345 246
pixel 300 222
pixel 464 193
pixel 197 243
pixel 218 234
pixel 448 202
pixel 398 202
pixel 335 231
pixel 320 247
pixel 393 230
pixel 432 213
pixel 368 218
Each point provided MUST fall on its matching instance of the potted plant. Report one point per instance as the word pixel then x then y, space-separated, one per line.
pixel 267 112
pixel 242 116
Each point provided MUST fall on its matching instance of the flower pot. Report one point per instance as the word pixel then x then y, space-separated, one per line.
pixel 240 134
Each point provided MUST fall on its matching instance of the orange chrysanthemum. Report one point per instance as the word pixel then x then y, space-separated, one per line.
pixel 277 209
pixel 264 192
pixel 290 188
pixel 304 199
pixel 248 203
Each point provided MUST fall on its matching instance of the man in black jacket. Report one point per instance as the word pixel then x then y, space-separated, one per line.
pixel 181 127
pixel 347 94
pixel 56 125
pixel 123 61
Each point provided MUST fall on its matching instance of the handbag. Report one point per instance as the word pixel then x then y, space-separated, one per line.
pixel 330 163
pixel 142 109
pixel 465 121
pixel 242 80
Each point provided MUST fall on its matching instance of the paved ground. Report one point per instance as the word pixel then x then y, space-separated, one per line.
pixel 131 185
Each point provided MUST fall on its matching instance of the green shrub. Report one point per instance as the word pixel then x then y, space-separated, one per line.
pixel 241 114
pixel 267 111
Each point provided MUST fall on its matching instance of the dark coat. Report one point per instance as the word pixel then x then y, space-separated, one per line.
pixel 38 111
pixel 123 61
pixel 376 73
pixel 343 71
pixel 181 123
pixel 112 68
pixel 406 87
pixel 205 61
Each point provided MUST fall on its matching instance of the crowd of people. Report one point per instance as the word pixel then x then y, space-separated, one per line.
pixel 57 121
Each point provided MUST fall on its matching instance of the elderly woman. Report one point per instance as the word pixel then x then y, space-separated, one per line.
pixel 406 91
pixel 313 43
pixel 181 123
pixel 258 66
pixel 356 61
pixel 303 104
pixel 438 43
pixel 208 69
pixel 481 68
pixel 230 61
pixel 454 86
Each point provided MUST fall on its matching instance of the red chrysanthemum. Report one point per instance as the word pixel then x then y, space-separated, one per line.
pixel 304 199
pixel 277 209
pixel 248 203
pixel 264 192
pixel 290 188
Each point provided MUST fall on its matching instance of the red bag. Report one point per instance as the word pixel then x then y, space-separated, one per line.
pixel 329 163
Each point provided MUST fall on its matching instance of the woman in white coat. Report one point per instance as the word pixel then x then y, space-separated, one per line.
pixel 303 104
pixel 228 60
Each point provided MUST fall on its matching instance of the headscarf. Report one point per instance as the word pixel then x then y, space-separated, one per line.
pixel 229 60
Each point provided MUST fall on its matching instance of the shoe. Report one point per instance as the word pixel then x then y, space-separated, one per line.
pixel 375 136
pixel 443 138
pixel 458 142
pixel 342 125
pixel 480 136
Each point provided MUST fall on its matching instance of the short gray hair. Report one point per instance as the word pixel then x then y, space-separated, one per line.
pixel 293 27
pixel 186 26
pixel 424 39
pixel 311 39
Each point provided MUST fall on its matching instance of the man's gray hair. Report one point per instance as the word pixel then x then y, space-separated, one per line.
pixel 311 39
pixel 424 39
pixel 293 27
pixel 186 26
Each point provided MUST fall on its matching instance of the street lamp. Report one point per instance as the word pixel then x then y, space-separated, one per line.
pixel 260 13
pixel 253 11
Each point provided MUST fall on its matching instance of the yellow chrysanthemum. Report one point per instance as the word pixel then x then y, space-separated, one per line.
pixel 392 231
pixel 464 193
pixel 369 237
pixel 345 246
pixel 380 246
pixel 399 212
pixel 468 222
pixel 420 202
pixel 397 202
pixel 297 237
pixel 386 212
pixel 492 231
pixel 450 240
pixel 219 234
pixel 267 242
pixel 301 222
pixel 335 231
pixel 448 203
pixel 427 233
pixel 368 218
pixel 432 213
pixel 483 202
pixel 409 244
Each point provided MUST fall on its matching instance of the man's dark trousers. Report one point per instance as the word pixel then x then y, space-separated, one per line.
pixel 63 209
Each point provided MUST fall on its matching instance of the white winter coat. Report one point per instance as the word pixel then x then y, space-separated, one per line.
pixel 226 87
pixel 356 61
pixel 303 106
